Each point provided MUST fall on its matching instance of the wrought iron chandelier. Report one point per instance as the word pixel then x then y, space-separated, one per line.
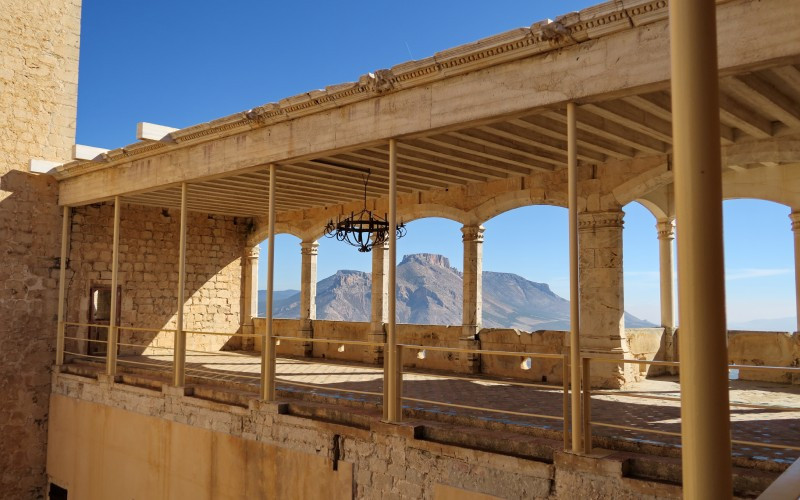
pixel 363 229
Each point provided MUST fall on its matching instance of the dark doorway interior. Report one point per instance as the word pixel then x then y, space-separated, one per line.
pixel 100 314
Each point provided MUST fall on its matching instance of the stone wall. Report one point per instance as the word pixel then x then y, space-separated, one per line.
pixel 148 275
pixel 375 459
pixel 765 349
pixel 642 343
pixel 39 42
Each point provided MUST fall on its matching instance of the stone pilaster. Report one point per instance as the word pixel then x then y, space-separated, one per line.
pixel 308 290
pixel 473 278
pixel 602 325
pixel 249 294
pixel 666 238
pixel 380 299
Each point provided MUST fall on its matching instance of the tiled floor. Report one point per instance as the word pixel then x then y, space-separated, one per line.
pixel 766 425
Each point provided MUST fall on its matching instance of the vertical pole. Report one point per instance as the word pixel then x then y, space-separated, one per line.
pixel 62 284
pixel 587 407
pixel 705 414
pixel 179 362
pixel 565 409
pixel 574 293
pixel 268 346
pixel 111 347
pixel 795 218
pixel 392 400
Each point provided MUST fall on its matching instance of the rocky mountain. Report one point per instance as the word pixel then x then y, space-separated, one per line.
pixel 429 292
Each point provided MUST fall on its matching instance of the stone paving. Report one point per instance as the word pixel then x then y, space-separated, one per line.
pixel 766 425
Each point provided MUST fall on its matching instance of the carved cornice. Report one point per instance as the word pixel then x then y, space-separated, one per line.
pixel 472 233
pixel 541 37
pixel 589 221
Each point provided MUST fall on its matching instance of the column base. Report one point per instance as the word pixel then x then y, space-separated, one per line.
pixel 609 375
pixel 304 349
pixel 377 333
pixel 470 341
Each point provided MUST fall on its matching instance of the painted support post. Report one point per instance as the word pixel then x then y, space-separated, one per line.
pixel 574 292
pixel 62 283
pixel 705 412
pixel 113 331
pixel 392 398
pixel 268 345
pixel 179 352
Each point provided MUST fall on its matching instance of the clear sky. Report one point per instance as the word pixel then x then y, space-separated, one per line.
pixel 181 62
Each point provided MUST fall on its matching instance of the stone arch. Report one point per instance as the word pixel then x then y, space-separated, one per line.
pixel 425 210
pixel 261 231
pixel 516 199
pixel 652 207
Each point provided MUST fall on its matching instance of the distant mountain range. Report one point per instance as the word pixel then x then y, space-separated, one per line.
pixel 429 292
pixel 788 324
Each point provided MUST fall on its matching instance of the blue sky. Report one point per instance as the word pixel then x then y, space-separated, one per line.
pixel 179 63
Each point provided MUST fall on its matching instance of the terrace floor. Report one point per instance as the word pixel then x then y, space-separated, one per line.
pixel 765 425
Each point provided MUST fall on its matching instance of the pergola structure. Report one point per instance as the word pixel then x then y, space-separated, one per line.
pixel 590 111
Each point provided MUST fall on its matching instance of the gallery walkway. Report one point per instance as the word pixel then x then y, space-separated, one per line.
pixel 299 377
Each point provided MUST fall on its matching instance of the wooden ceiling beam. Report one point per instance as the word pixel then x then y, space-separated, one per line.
pixel 434 172
pixel 515 164
pixel 757 93
pixel 457 176
pixel 586 139
pixel 736 114
pixel 515 149
pixel 542 138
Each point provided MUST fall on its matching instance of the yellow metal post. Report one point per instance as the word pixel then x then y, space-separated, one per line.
pixel 705 418
pixel 179 362
pixel 565 409
pixel 268 345
pixel 574 293
pixel 113 331
pixel 392 396
pixel 62 284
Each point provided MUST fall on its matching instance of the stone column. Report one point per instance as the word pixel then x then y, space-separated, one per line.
pixel 380 299
pixel 473 279
pixel 795 218
pixel 308 291
pixel 601 295
pixel 249 295
pixel 666 236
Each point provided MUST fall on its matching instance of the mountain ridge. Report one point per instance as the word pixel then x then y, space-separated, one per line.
pixel 429 291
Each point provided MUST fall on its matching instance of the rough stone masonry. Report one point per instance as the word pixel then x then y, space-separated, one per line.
pixel 39 42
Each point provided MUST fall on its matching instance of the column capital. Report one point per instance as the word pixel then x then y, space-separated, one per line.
pixel 309 247
pixel 666 229
pixel 589 221
pixel 252 252
pixel 795 218
pixel 472 233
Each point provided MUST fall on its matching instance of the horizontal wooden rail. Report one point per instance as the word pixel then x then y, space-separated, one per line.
pixel 330 341
pixel 480 408
pixel 559 357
